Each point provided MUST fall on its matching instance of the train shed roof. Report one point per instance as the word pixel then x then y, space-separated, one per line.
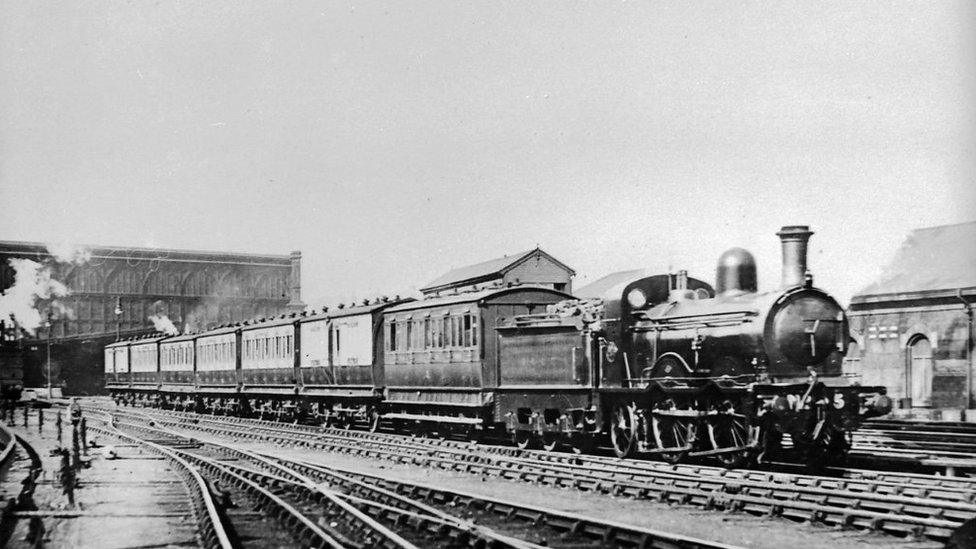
pixel 931 261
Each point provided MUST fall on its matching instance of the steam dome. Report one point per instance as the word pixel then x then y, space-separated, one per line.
pixel 736 272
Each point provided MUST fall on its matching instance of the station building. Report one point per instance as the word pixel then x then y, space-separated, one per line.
pixel 531 267
pixel 117 291
pixel 913 326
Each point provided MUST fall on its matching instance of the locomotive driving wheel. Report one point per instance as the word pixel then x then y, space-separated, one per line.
pixel 623 430
pixel 672 430
pixel 727 429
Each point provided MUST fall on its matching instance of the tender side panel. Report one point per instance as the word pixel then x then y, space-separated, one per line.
pixel 542 358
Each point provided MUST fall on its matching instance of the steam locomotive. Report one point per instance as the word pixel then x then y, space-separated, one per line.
pixel 664 365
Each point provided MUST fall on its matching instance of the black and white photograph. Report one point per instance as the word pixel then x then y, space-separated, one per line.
pixel 472 274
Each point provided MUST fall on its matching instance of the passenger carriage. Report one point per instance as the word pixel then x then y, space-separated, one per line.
pixel 340 370
pixel 177 360
pixel 441 357
pixel 144 368
pixel 217 370
pixel 111 373
pixel 267 373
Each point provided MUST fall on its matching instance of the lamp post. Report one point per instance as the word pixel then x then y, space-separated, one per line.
pixel 118 318
pixel 47 325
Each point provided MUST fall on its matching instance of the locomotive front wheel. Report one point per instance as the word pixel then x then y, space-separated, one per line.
pixel 623 430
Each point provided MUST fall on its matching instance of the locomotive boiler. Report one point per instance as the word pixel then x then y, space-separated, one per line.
pixel 683 369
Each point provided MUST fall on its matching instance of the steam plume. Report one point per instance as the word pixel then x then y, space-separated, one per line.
pixel 32 282
pixel 164 324
pixel 65 252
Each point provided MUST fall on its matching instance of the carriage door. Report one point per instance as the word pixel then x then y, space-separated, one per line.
pixel 920 371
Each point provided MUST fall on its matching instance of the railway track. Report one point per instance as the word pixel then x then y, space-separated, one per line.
pixel 899 504
pixel 14 509
pixel 312 487
pixel 211 523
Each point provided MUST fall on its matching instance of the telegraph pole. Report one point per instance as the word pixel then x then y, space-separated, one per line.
pixel 47 325
pixel 118 318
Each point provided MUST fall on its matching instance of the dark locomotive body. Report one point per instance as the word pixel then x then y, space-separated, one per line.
pixel 680 369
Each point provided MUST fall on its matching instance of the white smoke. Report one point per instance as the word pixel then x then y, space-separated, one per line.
pixel 164 324
pixel 66 252
pixel 32 282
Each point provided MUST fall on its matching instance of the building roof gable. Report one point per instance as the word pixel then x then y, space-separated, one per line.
pixel 929 260
pixel 487 269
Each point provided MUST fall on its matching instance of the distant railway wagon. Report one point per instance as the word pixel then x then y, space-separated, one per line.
pixel 666 365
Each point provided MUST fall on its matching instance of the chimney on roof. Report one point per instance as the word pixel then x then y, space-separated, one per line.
pixel 794 239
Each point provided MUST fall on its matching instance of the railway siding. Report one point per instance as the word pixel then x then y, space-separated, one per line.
pixel 868 509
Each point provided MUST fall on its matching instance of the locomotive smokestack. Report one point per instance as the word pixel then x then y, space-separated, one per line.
pixel 794 238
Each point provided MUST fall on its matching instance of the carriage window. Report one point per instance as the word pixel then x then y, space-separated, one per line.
pixel 390 336
pixel 338 339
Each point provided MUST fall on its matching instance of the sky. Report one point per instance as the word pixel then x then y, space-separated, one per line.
pixel 392 141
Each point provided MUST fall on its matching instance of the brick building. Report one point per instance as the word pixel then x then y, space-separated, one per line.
pixel 531 267
pixel 116 290
pixel 913 326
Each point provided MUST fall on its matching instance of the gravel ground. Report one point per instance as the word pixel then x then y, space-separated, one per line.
pixel 731 528
pixel 132 501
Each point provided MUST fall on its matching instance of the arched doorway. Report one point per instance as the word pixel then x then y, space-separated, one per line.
pixel 920 371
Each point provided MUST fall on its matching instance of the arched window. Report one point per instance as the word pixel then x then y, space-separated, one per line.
pixel 126 281
pixel 199 283
pixel 919 378
pixel 163 283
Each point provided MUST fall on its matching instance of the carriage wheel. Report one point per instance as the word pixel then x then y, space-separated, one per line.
pixel 623 430
pixel 552 441
pixel 672 432
pixel 374 419
pixel 346 421
pixel 730 430
pixel 524 440
pixel 582 443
